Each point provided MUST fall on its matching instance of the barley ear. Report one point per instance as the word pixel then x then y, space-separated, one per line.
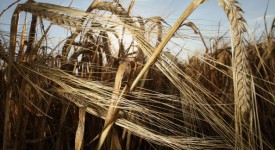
pixel 240 66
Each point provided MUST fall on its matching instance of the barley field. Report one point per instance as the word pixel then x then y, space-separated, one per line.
pixel 111 83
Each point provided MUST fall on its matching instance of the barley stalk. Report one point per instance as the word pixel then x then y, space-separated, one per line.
pixel 183 17
pixel 70 40
pixel 7 125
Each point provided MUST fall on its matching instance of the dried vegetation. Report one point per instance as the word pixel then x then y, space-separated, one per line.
pixel 93 96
